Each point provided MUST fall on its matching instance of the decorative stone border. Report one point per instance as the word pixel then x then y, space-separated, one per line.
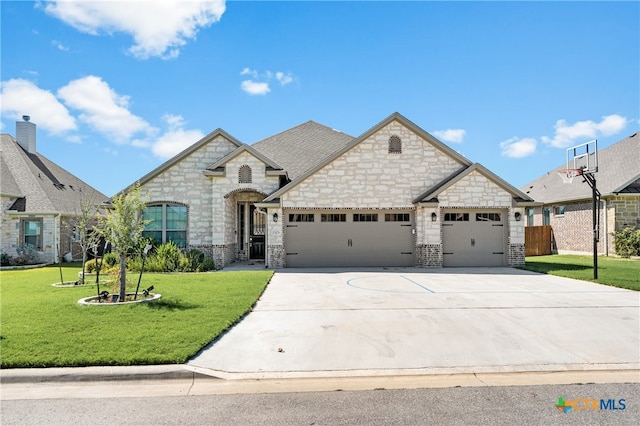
pixel 89 301
pixel 70 284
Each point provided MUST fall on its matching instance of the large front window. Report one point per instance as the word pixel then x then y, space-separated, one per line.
pixel 166 222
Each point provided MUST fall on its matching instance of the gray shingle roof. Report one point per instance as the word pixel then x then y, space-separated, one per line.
pixel 47 187
pixel 302 147
pixel 618 171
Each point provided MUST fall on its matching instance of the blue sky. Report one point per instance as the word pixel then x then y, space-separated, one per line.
pixel 116 88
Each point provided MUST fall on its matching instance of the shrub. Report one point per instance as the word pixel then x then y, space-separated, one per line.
pixel 110 259
pixel 90 266
pixel 627 242
pixel 207 265
pixel 169 256
pixel 5 259
pixel 27 255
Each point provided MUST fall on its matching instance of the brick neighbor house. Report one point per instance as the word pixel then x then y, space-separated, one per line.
pixel 568 207
pixel 40 200
pixel 314 196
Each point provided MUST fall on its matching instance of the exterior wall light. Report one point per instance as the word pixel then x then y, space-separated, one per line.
pixel 434 217
pixel 518 216
pixel 275 217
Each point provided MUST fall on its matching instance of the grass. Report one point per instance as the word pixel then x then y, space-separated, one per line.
pixel 613 271
pixel 43 326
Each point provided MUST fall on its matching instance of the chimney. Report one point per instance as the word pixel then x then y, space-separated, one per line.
pixel 26 134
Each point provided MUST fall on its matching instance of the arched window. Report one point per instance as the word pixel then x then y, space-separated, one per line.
pixel 244 174
pixel 395 145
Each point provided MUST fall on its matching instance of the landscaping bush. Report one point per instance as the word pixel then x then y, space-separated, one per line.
pixel 169 256
pixel 627 242
pixel 110 259
pixel 27 255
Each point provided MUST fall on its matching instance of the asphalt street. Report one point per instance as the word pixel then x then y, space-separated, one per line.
pixel 530 405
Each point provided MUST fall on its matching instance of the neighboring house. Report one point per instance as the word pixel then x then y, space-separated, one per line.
pixel 313 196
pixel 568 207
pixel 40 200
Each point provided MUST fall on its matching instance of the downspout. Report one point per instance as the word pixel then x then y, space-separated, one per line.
pixel 266 235
pixel 56 243
pixel 606 228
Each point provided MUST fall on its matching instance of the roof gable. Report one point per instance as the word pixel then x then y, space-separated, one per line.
pixel 182 155
pixel 461 175
pixel 395 117
pixel 244 148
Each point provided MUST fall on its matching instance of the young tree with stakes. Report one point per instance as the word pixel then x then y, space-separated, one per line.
pixel 122 227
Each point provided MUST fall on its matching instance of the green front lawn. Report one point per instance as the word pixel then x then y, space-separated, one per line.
pixel 614 271
pixel 43 326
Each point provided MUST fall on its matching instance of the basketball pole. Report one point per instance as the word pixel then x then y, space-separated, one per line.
pixel 591 180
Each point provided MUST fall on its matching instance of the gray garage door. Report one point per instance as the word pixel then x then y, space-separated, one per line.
pixel 474 237
pixel 349 238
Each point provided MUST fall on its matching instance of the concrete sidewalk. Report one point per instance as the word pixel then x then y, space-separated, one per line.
pixel 379 321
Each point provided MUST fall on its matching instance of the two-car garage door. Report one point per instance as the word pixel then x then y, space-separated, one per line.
pixel 349 238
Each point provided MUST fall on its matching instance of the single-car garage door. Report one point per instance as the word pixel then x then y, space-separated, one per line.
pixel 474 237
pixel 349 238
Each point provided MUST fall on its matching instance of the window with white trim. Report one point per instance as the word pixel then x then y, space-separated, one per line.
pixel 166 222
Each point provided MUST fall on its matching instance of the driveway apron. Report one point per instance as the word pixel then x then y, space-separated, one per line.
pixel 390 321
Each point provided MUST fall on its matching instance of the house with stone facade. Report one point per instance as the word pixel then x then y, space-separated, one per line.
pixel 568 208
pixel 313 196
pixel 40 201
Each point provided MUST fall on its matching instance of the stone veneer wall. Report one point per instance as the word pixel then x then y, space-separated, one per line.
pixel 368 176
pixel 184 182
pixel 212 215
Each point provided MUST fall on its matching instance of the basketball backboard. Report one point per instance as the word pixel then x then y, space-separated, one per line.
pixel 583 157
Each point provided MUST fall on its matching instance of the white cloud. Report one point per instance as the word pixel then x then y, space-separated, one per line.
pixel 259 83
pixel 451 135
pixel 283 78
pixel 21 97
pixel 567 135
pixel 159 28
pixel 248 71
pixel 518 148
pixel 255 88
pixel 59 45
pixel 102 108
pixel 175 139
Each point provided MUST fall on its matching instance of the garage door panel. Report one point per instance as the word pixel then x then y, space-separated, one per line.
pixel 349 243
pixel 477 241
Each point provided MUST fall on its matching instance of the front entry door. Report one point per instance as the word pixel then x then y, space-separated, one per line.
pixel 256 233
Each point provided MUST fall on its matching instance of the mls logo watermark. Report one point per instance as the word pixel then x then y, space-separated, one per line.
pixel 590 404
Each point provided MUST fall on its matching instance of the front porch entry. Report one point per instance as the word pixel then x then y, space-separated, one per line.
pixel 251 231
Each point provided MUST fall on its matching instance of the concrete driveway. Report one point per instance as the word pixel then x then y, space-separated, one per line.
pixel 395 321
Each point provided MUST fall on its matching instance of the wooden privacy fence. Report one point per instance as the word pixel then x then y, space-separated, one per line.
pixel 537 240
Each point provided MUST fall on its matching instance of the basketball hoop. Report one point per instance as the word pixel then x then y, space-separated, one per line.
pixel 567 175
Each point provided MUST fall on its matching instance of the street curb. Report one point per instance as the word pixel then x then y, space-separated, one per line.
pixel 99 374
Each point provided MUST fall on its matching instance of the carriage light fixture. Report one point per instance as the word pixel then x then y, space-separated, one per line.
pixel 434 217
pixel 275 217
pixel 518 216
